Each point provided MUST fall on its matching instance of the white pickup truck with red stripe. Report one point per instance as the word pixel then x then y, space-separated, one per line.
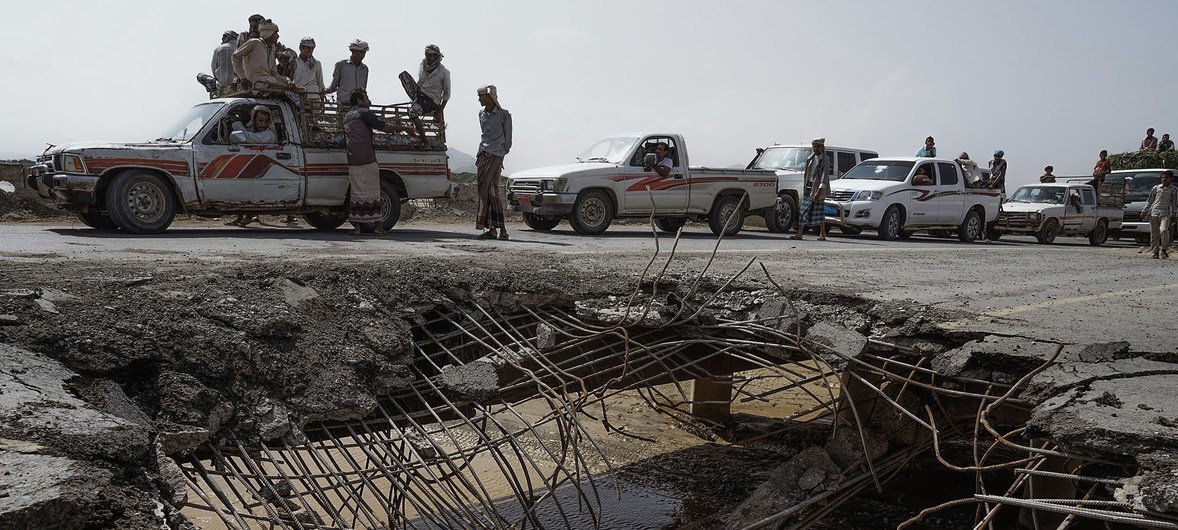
pixel 198 167
pixel 613 178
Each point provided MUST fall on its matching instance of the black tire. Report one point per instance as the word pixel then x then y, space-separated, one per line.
pixel 97 221
pixel 670 225
pixel 780 219
pixel 593 212
pixel 1099 234
pixel 971 227
pixel 141 202
pixel 727 208
pixel 390 205
pixel 1048 231
pixel 889 226
pixel 851 230
pixel 992 232
pixel 329 221
pixel 541 223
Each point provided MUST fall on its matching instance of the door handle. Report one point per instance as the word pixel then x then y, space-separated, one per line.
pixel 283 156
pixel 234 149
pixel 677 175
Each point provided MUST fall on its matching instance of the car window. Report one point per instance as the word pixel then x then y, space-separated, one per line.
pixel 867 155
pixel 846 161
pixel 830 169
pixel 219 135
pixel 648 146
pixel 948 173
pixel 1089 197
pixel 929 170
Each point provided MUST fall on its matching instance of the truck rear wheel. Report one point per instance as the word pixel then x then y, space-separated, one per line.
pixel 889 226
pixel 730 209
pixel 97 221
pixel 541 223
pixel 1099 234
pixel 992 232
pixel 970 228
pixel 592 213
pixel 1048 231
pixel 390 205
pixel 670 225
pixel 781 217
pixel 326 221
pixel 140 202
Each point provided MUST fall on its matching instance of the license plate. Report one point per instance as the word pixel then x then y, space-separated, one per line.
pixel 830 211
pixel 525 201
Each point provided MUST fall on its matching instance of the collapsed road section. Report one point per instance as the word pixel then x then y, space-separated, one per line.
pixel 436 394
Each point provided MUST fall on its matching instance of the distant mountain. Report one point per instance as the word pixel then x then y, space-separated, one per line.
pixel 460 162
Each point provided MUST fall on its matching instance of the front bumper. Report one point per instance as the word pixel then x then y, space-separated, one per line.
pixel 62 188
pixel 542 203
pixel 857 214
pixel 1018 225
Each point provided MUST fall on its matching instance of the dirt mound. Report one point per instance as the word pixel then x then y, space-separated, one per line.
pixel 21 204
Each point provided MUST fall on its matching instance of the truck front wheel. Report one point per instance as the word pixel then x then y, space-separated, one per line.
pixel 390 205
pixel 889 226
pixel 541 223
pixel 970 228
pixel 781 217
pixel 670 225
pixel 140 203
pixel 730 209
pixel 1099 234
pixel 592 213
pixel 1047 233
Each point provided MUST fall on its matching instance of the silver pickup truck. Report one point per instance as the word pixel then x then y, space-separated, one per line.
pixel 1058 209
pixel 614 178
pixel 199 166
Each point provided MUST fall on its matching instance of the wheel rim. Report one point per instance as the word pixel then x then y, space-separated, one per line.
pixel 1049 232
pixel 386 207
pixel 592 212
pixel 893 226
pixel 728 215
pixel 974 227
pixel 1100 232
pixel 785 213
pixel 145 201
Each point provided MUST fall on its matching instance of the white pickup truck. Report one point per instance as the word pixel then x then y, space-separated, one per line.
pixel 1050 210
pixel 200 167
pixel 789 162
pixel 613 178
pixel 898 196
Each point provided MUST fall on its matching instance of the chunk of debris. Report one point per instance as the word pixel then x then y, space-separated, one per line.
pixel 296 293
pixel 476 381
pixel 545 337
pixel 836 343
pixel 9 320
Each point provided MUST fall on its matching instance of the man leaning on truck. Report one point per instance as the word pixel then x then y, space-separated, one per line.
pixel 363 171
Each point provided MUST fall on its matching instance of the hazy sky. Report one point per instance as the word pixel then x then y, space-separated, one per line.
pixel 1051 82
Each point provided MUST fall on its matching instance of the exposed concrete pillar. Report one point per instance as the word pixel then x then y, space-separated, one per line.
pixel 711 399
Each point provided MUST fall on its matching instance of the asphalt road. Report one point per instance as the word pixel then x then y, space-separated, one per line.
pixel 1066 291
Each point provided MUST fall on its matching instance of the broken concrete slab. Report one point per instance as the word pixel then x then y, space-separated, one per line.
pixel 835 343
pixel 1066 375
pixel 39 408
pixel 39 490
pixel 1008 355
pixel 1115 417
pixel 9 320
pixel 808 473
pixel 296 293
pixel 476 381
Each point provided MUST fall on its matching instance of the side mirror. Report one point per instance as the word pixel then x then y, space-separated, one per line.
pixel 922 180
pixel 236 137
pixel 650 160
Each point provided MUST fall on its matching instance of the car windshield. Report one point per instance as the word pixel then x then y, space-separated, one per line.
pixel 193 121
pixel 1137 185
pixel 1039 194
pixel 784 158
pixel 612 150
pixel 896 170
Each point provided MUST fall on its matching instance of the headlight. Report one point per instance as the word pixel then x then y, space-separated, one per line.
pixel 867 195
pixel 1034 216
pixel 72 164
pixel 560 185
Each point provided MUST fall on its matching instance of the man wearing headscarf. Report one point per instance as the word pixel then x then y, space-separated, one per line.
pixel 430 93
pixel 363 171
pixel 258 57
pixel 998 170
pixel 308 71
pixel 223 59
pixel 250 33
pixel 349 74
pixel 816 187
pixel 494 145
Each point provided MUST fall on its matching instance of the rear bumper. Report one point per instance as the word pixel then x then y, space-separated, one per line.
pixel 542 203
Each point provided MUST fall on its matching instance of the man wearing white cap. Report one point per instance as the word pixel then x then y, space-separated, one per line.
pixel 257 57
pixel 494 145
pixel 817 186
pixel 308 71
pixel 349 74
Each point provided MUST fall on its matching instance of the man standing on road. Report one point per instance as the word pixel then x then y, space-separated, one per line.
pixel 349 74
pixel 363 171
pixel 494 145
pixel 1162 206
pixel 816 187
pixel 1150 142
pixel 998 170
pixel 430 93
pixel 1101 169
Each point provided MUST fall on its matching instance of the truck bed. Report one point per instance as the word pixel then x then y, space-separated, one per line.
pixel 323 126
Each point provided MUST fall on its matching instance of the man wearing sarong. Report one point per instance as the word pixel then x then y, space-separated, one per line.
pixel 816 187
pixel 496 142
pixel 363 172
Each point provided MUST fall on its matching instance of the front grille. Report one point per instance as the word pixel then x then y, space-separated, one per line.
pixel 841 195
pixel 525 186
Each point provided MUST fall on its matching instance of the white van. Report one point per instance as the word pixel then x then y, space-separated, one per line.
pixel 789 162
